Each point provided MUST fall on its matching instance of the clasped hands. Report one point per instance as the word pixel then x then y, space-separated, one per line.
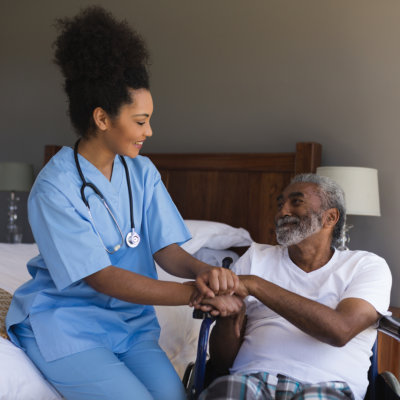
pixel 219 291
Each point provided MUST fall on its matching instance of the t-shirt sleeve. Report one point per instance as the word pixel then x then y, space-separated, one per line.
pixel 67 242
pixel 372 282
pixel 164 222
pixel 243 264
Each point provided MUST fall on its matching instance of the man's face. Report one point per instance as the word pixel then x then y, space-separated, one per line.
pixel 299 213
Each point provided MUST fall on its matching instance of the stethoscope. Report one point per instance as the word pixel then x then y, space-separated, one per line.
pixel 132 238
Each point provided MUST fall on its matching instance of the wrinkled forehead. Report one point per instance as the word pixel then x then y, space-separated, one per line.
pixel 307 190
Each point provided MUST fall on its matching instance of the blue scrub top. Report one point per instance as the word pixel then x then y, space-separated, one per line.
pixel 62 311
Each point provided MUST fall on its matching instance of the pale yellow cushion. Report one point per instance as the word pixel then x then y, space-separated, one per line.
pixel 5 300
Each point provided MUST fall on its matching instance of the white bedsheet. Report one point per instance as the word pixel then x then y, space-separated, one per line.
pixel 13 259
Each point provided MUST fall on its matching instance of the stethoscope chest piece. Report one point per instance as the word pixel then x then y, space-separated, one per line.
pixel 132 239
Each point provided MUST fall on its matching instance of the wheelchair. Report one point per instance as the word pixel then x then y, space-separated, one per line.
pixel 384 386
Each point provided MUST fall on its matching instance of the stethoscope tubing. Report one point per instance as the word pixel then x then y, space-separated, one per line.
pixel 132 238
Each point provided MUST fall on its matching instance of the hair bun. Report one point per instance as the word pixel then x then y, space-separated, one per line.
pixel 94 47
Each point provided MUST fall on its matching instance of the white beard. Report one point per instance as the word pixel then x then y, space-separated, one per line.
pixel 292 230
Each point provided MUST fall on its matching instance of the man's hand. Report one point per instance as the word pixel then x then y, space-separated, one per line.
pixel 215 281
pixel 245 282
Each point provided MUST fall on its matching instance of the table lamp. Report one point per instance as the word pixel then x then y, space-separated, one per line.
pixel 15 177
pixel 360 186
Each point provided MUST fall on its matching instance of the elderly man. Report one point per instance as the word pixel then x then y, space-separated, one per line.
pixel 308 324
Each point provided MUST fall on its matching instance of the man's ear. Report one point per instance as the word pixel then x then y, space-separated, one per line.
pixel 101 119
pixel 332 216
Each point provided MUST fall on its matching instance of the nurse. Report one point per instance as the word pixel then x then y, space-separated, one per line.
pixel 86 317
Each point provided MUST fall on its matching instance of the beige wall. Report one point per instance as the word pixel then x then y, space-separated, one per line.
pixel 239 76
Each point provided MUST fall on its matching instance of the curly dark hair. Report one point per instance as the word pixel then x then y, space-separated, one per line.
pixel 101 59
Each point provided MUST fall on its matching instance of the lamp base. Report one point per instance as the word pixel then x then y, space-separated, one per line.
pixel 13 234
pixel 345 238
pixel 14 237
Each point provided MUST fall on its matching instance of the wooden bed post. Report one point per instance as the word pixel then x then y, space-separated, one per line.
pixel 308 157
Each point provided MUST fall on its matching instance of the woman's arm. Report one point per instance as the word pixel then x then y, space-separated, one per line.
pixel 135 288
pixel 209 280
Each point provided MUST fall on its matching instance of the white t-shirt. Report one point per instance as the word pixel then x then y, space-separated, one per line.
pixel 274 345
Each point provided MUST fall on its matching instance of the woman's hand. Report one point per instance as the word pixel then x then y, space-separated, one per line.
pixel 225 306
pixel 215 281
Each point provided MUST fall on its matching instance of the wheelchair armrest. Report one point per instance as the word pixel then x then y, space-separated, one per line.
pixel 390 326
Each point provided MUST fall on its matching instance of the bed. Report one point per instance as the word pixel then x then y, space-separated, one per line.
pixel 227 201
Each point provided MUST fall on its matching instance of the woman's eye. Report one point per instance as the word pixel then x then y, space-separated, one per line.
pixel 141 123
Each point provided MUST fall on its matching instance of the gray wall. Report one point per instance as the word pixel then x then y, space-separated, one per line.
pixel 235 76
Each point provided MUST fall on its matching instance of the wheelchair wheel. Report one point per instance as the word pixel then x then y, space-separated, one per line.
pixel 188 375
pixel 391 381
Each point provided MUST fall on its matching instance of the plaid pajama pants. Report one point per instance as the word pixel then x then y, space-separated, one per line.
pixel 264 386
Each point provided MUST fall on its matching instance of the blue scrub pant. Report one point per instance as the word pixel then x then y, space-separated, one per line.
pixel 144 373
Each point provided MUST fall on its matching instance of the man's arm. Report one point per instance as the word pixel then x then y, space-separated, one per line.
pixel 333 326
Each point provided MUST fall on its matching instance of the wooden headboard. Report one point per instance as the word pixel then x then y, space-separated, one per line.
pixel 238 189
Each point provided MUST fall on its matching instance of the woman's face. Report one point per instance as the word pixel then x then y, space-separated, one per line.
pixel 131 127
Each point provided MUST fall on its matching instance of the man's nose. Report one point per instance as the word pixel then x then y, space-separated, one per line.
pixel 284 210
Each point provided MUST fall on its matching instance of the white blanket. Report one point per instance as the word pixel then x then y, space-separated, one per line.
pixel 13 259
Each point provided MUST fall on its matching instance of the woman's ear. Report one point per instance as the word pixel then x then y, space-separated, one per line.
pixel 331 217
pixel 101 119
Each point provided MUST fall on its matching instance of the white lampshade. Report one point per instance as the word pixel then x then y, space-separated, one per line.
pixel 360 186
pixel 15 176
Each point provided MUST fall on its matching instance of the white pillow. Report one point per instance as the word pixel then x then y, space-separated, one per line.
pixel 19 378
pixel 215 257
pixel 214 235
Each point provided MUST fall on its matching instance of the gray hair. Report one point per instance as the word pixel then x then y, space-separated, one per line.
pixel 332 196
